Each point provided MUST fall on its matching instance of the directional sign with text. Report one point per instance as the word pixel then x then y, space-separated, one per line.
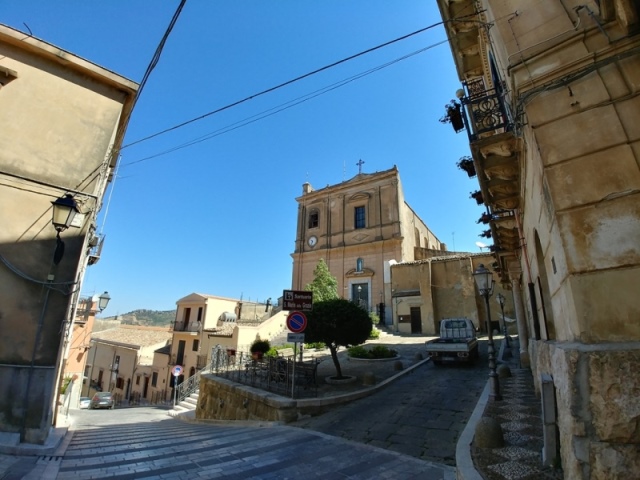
pixel 297 300
pixel 297 322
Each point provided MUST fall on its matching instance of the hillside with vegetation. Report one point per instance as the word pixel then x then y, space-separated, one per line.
pixel 148 318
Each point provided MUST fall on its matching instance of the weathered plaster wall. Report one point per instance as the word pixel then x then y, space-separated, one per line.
pixel 598 401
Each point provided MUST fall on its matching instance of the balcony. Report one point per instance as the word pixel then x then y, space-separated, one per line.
pixel 497 157
pixel 182 326
pixel 201 362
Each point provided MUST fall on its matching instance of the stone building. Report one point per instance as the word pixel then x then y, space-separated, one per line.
pixel 204 321
pixel 358 227
pixel 63 122
pixel 75 357
pixel 425 291
pixel 550 101
pixel 122 361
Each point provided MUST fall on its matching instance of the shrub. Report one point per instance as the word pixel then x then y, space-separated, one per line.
pixel 261 346
pixel 358 352
pixel 375 334
pixel 378 351
pixel 272 352
pixel 375 319
pixel 316 345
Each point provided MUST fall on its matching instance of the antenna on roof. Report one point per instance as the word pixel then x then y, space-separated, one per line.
pixel 481 245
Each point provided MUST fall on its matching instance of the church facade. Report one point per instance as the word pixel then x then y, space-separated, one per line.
pixel 360 227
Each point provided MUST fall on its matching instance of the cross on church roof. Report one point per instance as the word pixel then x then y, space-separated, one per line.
pixel 360 163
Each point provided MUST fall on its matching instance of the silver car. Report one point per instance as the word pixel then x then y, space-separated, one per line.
pixel 101 400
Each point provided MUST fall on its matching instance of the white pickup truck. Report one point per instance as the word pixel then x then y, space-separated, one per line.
pixel 457 342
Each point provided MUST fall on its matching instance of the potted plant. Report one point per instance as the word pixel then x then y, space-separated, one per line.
pixel 453 116
pixel 477 196
pixel 466 164
pixel 259 348
pixel 485 218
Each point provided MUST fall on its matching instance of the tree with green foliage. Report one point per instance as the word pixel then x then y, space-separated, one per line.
pixel 324 285
pixel 337 322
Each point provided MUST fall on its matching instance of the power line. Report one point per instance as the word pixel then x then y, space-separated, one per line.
pixel 152 64
pixel 288 82
pixel 284 106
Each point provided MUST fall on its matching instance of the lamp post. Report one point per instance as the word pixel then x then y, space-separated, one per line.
pixel 103 301
pixel 359 297
pixel 64 210
pixel 484 282
pixel 500 299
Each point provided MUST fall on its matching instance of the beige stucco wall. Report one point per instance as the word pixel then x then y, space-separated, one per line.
pixel 62 117
pixel 572 71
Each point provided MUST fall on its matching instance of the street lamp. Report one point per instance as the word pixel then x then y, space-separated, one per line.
pixel 484 282
pixel 500 298
pixel 359 297
pixel 103 301
pixel 64 210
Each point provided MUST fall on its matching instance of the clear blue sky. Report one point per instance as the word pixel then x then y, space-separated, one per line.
pixel 219 217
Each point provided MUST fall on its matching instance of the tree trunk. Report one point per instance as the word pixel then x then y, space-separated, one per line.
pixel 334 356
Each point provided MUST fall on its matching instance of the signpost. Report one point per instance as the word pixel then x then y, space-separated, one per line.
pixel 176 371
pixel 296 322
pixel 297 300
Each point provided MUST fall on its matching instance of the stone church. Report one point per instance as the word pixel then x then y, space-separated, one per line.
pixel 360 227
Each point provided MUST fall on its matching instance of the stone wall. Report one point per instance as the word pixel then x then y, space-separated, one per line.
pixel 597 391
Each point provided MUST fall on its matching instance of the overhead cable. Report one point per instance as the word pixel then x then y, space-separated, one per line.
pixel 288 82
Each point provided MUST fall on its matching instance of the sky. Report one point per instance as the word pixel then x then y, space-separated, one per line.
pixel 219 216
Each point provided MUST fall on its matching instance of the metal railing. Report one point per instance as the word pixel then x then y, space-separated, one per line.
pixel 486 111
pixel 275 374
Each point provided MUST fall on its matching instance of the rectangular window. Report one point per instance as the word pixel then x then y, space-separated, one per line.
pixel 120 383
pixel 196 345
pixel 137 379
pixel 187 314
pixel 154 379
pixel 313 219
pixel 359 217
pixel 199 314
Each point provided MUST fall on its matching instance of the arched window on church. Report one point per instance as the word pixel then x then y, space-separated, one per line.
pixel 314 218
pixel 359 265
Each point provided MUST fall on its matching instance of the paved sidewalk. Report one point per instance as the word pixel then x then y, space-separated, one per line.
pixel 520 416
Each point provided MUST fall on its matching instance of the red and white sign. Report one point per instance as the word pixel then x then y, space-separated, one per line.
pixel 297 322
pixel 177 370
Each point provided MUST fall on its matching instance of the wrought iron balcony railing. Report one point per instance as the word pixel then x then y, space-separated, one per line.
pixel 485 112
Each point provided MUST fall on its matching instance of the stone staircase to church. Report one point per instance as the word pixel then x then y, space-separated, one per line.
pixel 186 408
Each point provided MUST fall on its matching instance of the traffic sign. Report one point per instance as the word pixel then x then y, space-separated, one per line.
pixel 297 300
pixel 295 337
pixel 297 322
pixel 177 370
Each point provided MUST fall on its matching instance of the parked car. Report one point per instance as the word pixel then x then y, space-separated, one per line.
pixel 101 400
pixel 457 342
pixel 84 402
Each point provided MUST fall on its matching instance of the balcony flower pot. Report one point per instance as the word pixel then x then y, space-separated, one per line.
pixel 453 116
pixel 466 164
pixel 477 196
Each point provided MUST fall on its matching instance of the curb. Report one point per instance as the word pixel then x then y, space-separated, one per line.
pixel 465 468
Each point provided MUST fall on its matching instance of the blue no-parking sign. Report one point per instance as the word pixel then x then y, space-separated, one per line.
pixel 297 322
